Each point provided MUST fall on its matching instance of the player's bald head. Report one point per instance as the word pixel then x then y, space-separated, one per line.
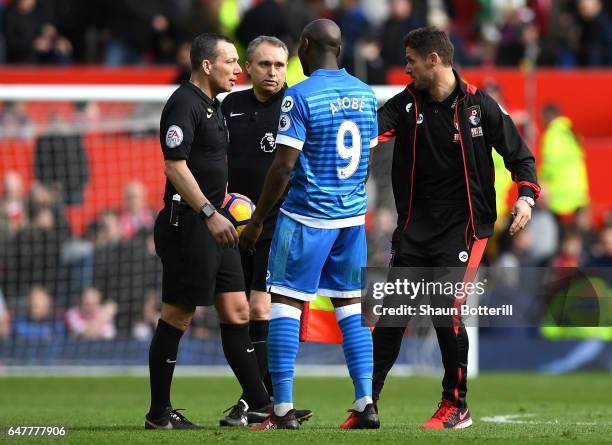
pixel 320 46
pixel 323 33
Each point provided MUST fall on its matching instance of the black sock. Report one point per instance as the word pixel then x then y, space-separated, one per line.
pixel 240 355
pixel 162 358
pixel 258 330
pixel 387 342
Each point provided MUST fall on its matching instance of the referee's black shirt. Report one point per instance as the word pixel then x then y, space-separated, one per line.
pixel 192 128
pixel 252 129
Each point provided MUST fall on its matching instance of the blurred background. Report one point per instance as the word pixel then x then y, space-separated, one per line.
pixel 81 174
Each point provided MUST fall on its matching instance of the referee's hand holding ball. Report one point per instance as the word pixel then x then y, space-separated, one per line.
pixel 222 230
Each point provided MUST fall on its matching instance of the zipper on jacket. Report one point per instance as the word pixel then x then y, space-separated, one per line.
pixel 416 126
pixel 467 181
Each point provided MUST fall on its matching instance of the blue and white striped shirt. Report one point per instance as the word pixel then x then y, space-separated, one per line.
pixel 331 118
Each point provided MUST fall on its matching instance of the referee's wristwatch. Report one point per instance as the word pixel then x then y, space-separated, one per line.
pixel 528 199
pixel 206 211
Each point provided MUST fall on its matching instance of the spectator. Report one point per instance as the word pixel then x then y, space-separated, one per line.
pixel 5 319
pixel 88 117
pixel 143 329
pixel 41 197
pixel 136 214
pixel 14 122
pixel 570 254
pixel 519 44
pixel 544 231
pixel 584 225
pixel 124 270
pixel 60 161
pixel 203 16
pixel 30 36
pixel 202 323
pixel 439 18
pixel 39 322
pixel 401 21
pixel 519 254
pixel 351 18
pixel 369 65
pixel 78 22
pixel 134 27
pixel 92 319
pixel 595 34
pixel 602 253
pixel 269 18
pixel 33 255
pixel 12 206
pixel 184 63
pixel 563 168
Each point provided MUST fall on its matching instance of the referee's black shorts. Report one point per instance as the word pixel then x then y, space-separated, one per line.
pixel 195 267
pixel 255 266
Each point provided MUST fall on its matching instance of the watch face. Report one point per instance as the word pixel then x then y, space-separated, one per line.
pixel 208 210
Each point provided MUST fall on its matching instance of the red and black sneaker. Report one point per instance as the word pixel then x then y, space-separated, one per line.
pixel 449 416
pixel 274 422
pixel 364 420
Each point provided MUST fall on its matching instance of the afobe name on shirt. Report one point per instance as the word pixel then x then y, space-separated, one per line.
pixel 347 103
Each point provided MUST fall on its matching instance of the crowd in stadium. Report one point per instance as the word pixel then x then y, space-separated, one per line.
pixel 564 33
pixel 94 287
pixel 104 283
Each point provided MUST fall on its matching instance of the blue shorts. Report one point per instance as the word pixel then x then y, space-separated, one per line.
pixel 305 261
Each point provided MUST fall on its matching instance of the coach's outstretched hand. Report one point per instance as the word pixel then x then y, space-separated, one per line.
pixel 250 235
pixel 522 215
pixel 222 230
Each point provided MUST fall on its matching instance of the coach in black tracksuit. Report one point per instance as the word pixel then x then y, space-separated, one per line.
pixel 443 184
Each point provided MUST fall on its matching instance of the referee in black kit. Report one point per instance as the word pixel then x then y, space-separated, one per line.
pixel 443 184
pixel 252 120
pixel 197 245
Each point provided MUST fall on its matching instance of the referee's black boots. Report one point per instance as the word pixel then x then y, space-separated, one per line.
pixel 171 419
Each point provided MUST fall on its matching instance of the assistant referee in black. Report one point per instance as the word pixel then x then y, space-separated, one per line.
pixel 196 244
pixel 443 184
pixel 252 120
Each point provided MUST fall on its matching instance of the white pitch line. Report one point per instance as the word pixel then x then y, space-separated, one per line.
pixel 515 419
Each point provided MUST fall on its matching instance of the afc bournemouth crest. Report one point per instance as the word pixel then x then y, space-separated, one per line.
pixel 474 115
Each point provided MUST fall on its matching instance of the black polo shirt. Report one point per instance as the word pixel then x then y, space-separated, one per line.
pixel 439 172
pixel 192 128
pixel 252 127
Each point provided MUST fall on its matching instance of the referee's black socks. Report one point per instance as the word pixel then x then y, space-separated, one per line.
pixel 258 330
pixel 162 358
pixel 240 355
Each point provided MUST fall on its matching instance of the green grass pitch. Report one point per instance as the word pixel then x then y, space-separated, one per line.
pixel 525 408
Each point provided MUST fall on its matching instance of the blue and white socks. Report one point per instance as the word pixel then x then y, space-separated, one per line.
pixel 283 344
pixel 357 346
